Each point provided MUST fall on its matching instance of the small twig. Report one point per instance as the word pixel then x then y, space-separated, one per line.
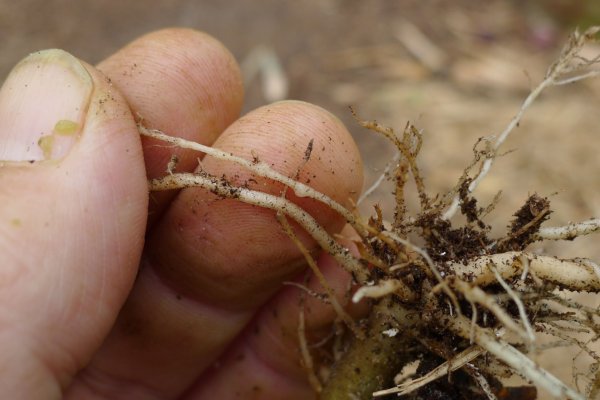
pixel 444 369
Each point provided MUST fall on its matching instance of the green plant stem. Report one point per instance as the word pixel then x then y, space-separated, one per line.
pixel 371 364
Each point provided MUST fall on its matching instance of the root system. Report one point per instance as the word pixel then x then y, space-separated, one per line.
pixel 463 308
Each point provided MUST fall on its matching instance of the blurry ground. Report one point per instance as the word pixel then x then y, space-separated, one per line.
pixel 458 70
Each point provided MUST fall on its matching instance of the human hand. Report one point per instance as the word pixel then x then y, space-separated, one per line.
pixel 104 296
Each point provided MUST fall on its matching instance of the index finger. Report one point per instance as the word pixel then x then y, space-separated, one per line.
pixel 182 82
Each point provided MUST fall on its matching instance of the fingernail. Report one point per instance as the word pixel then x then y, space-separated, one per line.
pixel 43 104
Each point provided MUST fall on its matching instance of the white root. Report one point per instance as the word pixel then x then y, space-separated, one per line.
pixel 384 288
pixel 306 357
pixel 514 358
pixel 481 381
pixel 379 180
pixel 565 274
pixel 457 362
pixel 513 295
pixel 553 77
pixel 434 270
pixel 570 231
pixel 222 188
pixel 259 168
pixel 342 314
pixel 468 280
pixel 525 264
pixel 476 295
pixel 591 264
pixel 573 79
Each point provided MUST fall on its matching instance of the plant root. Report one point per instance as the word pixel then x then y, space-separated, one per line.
pixel 442 296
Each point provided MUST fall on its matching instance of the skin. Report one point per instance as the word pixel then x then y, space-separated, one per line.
pixel 181 297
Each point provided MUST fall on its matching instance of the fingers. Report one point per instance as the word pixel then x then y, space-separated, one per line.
pixel 200 231
pixel 211 262
pixel 182 82
pixel 72 221
pixel 266 361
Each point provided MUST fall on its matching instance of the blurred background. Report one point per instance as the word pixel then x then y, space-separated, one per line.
pixel 458 70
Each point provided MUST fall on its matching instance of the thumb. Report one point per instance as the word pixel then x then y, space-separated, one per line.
pixel 73 198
